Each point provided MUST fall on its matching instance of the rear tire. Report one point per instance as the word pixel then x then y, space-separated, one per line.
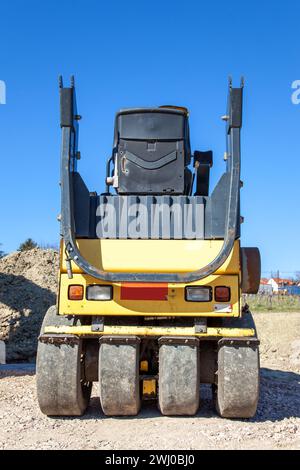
pixel 61 388
pixel 119 387
pixel 238 379
pixel 179 376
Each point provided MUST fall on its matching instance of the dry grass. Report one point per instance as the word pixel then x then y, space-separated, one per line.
pixel 276 303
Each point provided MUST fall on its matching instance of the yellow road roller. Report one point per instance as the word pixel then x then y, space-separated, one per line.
pixel 151 274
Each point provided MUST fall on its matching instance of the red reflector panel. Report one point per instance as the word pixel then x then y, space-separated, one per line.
pixel 222 294
pixel 143 291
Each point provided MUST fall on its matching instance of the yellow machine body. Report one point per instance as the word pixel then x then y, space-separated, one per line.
pixel 152 256
pixel 168 316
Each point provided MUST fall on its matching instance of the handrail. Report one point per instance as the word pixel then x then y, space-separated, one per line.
pixel 68 156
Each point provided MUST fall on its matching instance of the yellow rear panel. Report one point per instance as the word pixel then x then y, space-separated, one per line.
pixel 175 305
pixel 152 256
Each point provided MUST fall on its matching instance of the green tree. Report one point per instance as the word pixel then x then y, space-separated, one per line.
pixel 2 252
pixel 29 244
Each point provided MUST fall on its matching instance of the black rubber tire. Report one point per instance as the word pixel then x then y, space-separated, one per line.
pixel 52 318
pixel 238 380
pixel 237 391
pixel 119 387
pixel 179 377
pixel 61 390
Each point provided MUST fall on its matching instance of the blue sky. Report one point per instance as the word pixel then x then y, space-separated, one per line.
pixel 142 53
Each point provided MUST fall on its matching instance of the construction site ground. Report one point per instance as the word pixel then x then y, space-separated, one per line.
pixel 275 426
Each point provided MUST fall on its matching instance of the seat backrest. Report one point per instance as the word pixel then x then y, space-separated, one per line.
pixel 151 151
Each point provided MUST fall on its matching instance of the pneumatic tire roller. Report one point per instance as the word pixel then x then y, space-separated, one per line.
pixel 151 274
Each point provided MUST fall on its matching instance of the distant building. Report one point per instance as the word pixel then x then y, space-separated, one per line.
pixel 264 287
pixel 287 285
pixel 275 286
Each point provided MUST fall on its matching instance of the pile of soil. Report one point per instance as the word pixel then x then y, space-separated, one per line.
pixel 28 283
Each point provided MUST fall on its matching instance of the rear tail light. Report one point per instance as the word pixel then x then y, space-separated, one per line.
pixel 99 292
pixel 198 294
pixel 75 292
pixel 222 294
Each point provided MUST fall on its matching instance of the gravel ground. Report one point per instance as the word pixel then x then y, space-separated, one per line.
pixel 276 425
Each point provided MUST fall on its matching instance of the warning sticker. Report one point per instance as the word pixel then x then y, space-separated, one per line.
pixel 223 308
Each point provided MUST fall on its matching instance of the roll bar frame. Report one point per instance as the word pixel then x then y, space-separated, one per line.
pixel 69 154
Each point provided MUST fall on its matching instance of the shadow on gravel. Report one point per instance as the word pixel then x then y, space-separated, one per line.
pixel 26 304
pixel 16 370
pixel 149 409
pixel 279 399
pixel 279 396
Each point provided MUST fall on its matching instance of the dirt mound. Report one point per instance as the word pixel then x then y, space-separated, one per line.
pixel 28 282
